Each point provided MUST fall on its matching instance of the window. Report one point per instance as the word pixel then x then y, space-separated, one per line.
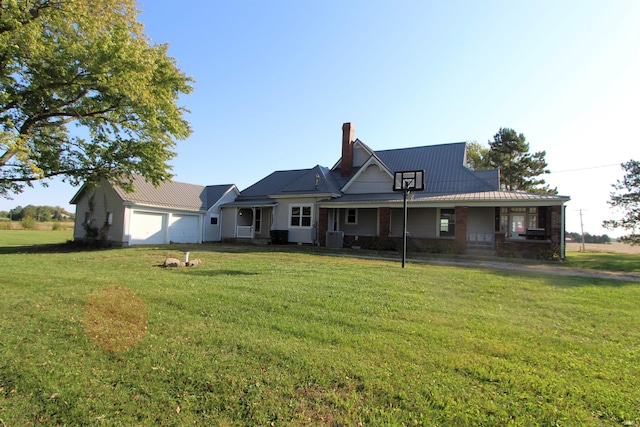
pixel 351 216
pixel 110 218
pixel 214 220
pixel 258 220
pixel 447 225
pixel 516 221
pixel 300 216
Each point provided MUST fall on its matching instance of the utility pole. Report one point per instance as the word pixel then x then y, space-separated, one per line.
pixel 582 232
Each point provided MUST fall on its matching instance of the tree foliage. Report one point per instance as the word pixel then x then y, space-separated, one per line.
pixel 519 169
pixel 627 198
pixel 589 238
pixel 477 156
pixel 39 213
pixel 84 94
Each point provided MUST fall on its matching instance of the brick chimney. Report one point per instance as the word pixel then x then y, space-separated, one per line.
pixel 348 131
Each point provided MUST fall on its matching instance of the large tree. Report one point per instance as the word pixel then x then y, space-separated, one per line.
pixel 519 169
pixel 84 94
pixel 627 198
pixel 477 156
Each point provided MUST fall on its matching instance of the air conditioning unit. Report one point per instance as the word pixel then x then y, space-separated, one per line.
pixel 335 239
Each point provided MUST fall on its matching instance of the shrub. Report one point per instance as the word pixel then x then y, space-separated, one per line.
pixel 28 222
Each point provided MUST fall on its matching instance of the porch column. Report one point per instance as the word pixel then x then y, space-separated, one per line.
pixel 384 226
pixel 461 229
pixel 323 224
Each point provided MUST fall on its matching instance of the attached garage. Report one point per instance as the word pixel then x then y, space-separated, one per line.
pixel 173 212
pixel 147 228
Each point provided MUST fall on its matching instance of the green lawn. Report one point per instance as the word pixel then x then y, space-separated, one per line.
pixel 257 336
pixel 628 263
pixel 33 237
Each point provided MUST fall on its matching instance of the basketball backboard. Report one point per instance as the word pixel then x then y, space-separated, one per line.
pixel 408 180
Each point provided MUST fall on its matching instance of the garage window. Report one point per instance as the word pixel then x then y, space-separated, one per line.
pixel 214 220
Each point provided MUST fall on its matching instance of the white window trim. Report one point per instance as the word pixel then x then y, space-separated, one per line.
pixel 346 216
pixel 439 218
pixel 301 206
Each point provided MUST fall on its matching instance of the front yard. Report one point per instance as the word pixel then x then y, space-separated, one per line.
pixel 275 336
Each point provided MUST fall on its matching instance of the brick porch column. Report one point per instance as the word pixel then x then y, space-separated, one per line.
pixel 323 224
pixel 385 223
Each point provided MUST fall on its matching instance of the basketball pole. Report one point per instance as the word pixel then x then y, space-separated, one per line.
pixel 404 223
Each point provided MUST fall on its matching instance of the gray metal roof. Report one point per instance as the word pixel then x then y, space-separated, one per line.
pixel 484 196
pixel 172 194
pixel 445 172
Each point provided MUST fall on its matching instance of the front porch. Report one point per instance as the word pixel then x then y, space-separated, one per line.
pixel 518 231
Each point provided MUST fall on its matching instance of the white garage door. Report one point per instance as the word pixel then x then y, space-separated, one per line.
pixel 147 228
pixel 183 229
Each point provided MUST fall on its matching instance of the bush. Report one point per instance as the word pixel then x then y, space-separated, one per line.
pixel 28 222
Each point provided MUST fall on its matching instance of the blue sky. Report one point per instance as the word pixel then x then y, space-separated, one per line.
pixel 275 81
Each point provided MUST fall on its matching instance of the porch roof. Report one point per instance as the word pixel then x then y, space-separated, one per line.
pixel 477 198
pixel 256 203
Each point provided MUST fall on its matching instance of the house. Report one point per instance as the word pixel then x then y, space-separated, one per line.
pixel 353 204
pixel 174 212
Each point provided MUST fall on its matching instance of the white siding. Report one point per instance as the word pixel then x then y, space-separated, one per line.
pixel 214 233
pixel 371 180
pixel 105 201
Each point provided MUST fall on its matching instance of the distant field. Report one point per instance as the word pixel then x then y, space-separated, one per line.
pixel 615 247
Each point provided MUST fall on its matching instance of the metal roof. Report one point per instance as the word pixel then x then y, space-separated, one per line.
pixel 474 197
pixel 445 172
pixel 170 194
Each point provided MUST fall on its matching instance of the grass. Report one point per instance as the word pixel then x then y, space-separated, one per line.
pixel 628 263
pixel 267 337
pixel 12 238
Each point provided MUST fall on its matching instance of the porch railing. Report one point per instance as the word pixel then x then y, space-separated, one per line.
pixel 245 232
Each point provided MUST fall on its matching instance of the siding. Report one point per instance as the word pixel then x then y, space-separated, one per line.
pixel 421 222
pixel 371 180
pixel 367 222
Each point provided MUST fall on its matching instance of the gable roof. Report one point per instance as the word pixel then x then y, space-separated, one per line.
pixel 172 194
pixel 445 172
pixel 444 166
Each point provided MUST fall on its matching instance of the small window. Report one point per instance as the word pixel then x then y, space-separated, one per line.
pixel 214 220
pixel 351 216
pixel 87 217
pixel 300 216
pixel 447 222
pixel 110 218
pixel 258 220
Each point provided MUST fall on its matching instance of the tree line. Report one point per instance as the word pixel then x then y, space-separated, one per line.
pixel 589 238
pixel 38 213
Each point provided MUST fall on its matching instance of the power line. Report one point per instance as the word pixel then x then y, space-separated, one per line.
pixel 584 169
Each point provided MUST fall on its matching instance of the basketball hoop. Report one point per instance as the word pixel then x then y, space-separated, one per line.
pixel 407 182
